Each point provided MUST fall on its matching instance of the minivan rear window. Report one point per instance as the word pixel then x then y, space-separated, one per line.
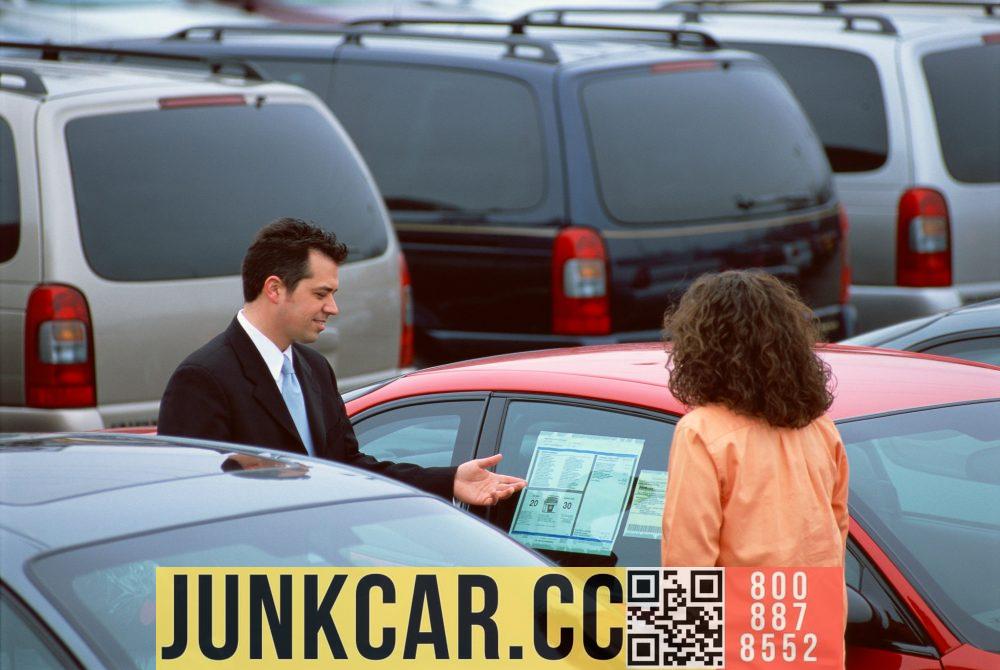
pixel 443 138
pixel 180 193
pixel 965 92
pixel 680 145
pixel 10 206
pixel 841 94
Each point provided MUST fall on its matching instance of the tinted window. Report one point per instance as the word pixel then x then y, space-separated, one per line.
pixel 109 589
pixel 442 138
pixel 701 144
pixel 965 92
pixel 176 194
pixel 927 485
pixel 23 643
pixel 842 96
pixel 10 206
pixel 423 434
pixel 981 349
pixel 595 486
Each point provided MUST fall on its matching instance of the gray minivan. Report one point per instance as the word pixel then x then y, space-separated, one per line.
pixel 128 198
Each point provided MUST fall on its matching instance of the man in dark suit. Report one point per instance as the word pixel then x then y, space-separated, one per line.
pixel 257 384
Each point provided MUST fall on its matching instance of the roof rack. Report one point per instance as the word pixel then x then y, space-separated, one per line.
pixel 354 36
pixel 678 36
pixel 55 51
pixel 989 8
pixel 692 13
pixel 32 82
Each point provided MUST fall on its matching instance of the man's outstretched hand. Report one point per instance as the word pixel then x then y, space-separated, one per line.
pixel 476 485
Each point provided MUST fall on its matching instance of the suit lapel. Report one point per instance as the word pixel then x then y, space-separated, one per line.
pixel 265 391
pixel 313 398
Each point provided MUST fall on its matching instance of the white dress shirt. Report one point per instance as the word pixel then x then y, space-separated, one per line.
pixel 269 351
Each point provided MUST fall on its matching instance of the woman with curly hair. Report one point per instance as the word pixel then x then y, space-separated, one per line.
pixel 758 472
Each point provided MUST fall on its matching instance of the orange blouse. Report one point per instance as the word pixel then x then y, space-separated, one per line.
pixel 741 492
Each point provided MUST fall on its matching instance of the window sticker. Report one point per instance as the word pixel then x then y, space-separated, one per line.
pixel 645 517
pixel 577 489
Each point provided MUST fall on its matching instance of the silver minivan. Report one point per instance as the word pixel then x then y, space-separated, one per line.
pixel 128 196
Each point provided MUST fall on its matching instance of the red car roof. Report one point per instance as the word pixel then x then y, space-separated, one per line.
pixel 869 381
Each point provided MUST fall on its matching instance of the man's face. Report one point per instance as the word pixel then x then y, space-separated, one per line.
pixel 304 311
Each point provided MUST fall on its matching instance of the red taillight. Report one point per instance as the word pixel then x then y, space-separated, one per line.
pixel 845 256
pixel 992 38
pixel 406 305
pixel 580 304
pixel 923 239
pixel 58 349
pixel 202 101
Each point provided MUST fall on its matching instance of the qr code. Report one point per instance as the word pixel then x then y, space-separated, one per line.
pixel 676 618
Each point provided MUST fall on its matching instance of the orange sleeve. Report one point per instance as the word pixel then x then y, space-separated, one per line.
pixel 692 511
pixel 840 491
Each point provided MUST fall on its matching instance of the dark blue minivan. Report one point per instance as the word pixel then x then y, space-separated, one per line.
pixel 552 186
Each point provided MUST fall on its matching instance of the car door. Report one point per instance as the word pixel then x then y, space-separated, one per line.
pixel 432 430
pixel 596 477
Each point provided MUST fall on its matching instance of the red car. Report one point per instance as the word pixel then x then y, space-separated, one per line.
pixel 922 435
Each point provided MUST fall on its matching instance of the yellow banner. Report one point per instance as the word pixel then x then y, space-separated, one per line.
pixel 414 618
pixel 319 617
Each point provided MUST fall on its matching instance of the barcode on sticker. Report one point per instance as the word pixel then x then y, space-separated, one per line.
pixel 676 618
pixel 640 528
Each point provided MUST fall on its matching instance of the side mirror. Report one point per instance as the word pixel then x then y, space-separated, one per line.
pixel 859 610
pixel 863 624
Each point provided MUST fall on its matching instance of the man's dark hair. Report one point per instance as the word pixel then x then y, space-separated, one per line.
pixel 281 248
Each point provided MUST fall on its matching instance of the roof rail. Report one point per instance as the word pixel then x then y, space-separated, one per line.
pixel 32 82
pixel 989 8
pixel 354 35
pixel 692 13
pixel 55 51
pixel 678 36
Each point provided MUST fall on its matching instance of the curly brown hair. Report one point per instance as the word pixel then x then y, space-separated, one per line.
pixel 744 339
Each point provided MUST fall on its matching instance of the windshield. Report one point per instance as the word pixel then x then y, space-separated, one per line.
pixel 108 591
pixel 180 193
pixel 879 338
pixel 684 141
pixel 926 485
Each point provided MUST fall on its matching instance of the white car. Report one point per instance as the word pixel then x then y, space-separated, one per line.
pixel 906 99
pixel 69 21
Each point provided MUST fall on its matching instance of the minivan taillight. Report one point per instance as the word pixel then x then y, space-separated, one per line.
pixel 58 349
pixel 406 305
pixel 923 239
pixel 845 256
pixel 580 302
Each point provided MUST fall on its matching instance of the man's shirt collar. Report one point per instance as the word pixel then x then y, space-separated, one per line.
pixel 269 351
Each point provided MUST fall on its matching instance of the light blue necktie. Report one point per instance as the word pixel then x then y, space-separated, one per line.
pixel 292 393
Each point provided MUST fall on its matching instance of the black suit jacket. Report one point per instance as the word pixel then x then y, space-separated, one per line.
pixel 224 391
